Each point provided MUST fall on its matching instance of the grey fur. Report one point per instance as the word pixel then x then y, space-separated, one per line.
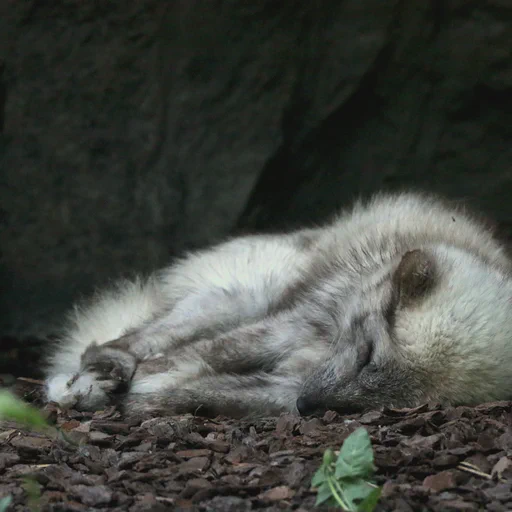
pixel 399 301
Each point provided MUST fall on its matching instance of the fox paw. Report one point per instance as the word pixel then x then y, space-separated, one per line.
pixel 104 371
pixel 114 368
pixel 81 391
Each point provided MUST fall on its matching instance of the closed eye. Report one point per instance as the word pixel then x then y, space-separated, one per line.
pixel 365 356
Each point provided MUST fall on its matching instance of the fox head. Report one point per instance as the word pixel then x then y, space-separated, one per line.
pixel 436 326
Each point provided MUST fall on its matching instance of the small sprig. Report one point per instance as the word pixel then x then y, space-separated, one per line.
pixel 345 482
pixel 4 503
pixel 14 409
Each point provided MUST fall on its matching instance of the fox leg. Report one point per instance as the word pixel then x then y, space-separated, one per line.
pixel 284 344
pixel 201 296
pixel 227 395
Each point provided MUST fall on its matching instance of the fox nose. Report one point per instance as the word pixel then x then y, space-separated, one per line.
pixel 307 406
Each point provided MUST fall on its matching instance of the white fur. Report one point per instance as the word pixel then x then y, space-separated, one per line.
pixel 460 334
pixel 106 317
pixel 66 391
pixel 469 349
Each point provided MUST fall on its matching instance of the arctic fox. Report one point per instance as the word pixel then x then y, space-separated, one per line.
pixel 398 301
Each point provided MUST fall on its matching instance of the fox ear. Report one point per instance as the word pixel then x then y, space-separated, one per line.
pixel 414 276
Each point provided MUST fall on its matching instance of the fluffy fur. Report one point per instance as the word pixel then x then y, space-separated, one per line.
pixel 399 301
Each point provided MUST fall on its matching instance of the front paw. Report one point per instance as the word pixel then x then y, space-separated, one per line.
pixel 114 367
pixel 81 391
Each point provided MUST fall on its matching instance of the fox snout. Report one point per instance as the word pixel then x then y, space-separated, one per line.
pixel 306 406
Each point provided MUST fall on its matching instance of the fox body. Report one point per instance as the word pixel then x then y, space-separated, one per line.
pixel 398 301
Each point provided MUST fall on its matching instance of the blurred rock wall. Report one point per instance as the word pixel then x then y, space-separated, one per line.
pixel 131 131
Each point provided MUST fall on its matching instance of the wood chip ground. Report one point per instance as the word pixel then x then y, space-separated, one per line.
pixel 428 458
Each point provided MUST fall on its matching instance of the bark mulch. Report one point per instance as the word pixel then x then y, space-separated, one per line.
pixel 428 458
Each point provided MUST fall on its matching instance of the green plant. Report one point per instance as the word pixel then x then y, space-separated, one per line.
pixel 33 489
pixel 345 481
pixel 14 409
pixel 4 503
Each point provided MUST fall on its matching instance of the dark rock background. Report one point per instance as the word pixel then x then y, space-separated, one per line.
pixel 131 131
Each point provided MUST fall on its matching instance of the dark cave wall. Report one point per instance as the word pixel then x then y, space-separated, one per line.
pixel 433 111
pixel 131 132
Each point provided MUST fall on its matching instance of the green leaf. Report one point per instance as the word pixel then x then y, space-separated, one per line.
pixel 319 477
pixel 345 484
pixel 355 491
pixel 356 456
pixel 324 494
pixel 12 408
pixel 370 502
pixel 325 470
pixel 4 503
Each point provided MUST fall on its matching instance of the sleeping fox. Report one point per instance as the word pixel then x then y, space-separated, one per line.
pixel 397 301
